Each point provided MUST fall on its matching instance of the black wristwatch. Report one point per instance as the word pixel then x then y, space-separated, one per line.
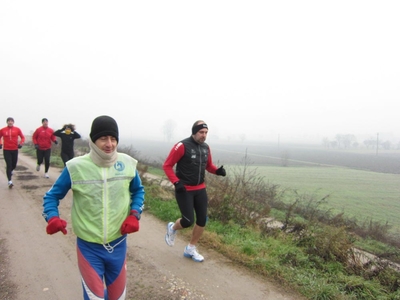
pixel 137 215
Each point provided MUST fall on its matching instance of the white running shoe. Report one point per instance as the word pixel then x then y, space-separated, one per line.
pixel 170 235
pixel 193 254
pixel 38 168
pixel 46 175
pixel 10 184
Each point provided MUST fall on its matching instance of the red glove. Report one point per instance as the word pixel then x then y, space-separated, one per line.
pixel 131 223
pixel 55 224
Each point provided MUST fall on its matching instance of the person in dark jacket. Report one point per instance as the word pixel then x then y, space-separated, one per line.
pixel 67 134
pixel 192 157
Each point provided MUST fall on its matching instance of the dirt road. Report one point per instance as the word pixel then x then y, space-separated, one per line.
pixel 34 265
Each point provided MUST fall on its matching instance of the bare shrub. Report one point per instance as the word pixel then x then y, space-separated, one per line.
pixel 329 243
pixel 373 229
pixel 129 150
pixel 242 197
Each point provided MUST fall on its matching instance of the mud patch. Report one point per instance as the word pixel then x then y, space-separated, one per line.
pixel 21 168
pixel 27 177
pixel 35 187
pixel 30 187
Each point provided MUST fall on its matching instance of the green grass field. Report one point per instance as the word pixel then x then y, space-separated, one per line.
pixel 360 194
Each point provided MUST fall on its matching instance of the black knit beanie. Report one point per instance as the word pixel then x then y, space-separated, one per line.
pixel 197 128
pixel 103 126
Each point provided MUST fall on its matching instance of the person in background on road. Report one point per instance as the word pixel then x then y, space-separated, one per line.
pixel 108 198
pixel 192 157
pixel 67 135
pixel 42 138
pixel 10 135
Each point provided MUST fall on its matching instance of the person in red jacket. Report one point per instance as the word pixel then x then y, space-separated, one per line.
pixel 42 138
pixel 13 139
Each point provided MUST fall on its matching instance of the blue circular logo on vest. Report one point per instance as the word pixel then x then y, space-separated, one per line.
pixel 119 166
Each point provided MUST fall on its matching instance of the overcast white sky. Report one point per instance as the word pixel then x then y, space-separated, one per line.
pixel 260 68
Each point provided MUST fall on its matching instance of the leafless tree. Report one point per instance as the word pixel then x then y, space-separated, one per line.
pixel 168 129
pixel 345 140
pixel 386 145
pixel 325 142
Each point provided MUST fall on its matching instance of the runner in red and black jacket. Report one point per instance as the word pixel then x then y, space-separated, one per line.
pixel 42 138
pixel 192 157
pixel 13 139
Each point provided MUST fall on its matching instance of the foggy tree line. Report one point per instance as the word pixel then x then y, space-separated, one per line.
pixel 341 141
pixel 349 141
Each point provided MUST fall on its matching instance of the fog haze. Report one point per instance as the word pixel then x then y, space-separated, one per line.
pixel 259 70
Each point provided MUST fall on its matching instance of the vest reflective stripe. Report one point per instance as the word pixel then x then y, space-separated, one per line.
pixel 101 197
